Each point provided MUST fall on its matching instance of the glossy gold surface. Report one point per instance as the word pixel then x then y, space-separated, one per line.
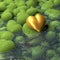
pixel 36 22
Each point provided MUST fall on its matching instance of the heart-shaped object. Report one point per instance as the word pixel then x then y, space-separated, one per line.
pixel 41 20
pixel 36 22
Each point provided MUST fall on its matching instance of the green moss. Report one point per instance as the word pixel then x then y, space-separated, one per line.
pixel 31 3
pixel 1 22
pixel 58 28
pixel 1 0
pixel 2 6
pixel 2 28
pixel 58 36
pixel 58 50
pixel 12 22
pixel 5 16
pixel 50 35
pixel 37 52
pixel 11 6
pixel 55 58
pixel 23 7
pixel 54 25
pixel 21 2
pixel 42 1
pixel 8 10
pixel 6 45
pixel 12 26
pixel 56 2
pixel 53 13
pixel 19 9
pixel 20 39
pixel 47 5
pixel 6 35
pixel 27 58
pixel 44 44
pixel 32 11
pixel 36 41
pixel 15 11
pixel 8 1
pixel 29 32
pixel 2 56
pixel 50 53
pixel 21 17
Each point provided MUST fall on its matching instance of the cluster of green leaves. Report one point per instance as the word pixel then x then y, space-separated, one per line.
pixel 14 14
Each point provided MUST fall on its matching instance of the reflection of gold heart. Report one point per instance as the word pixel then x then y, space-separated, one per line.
pixel 36 22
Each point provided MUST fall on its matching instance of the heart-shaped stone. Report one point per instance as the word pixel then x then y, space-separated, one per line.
pixel 36 22
pixel 41 20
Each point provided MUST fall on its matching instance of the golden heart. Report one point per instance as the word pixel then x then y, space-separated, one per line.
pixel 36 22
